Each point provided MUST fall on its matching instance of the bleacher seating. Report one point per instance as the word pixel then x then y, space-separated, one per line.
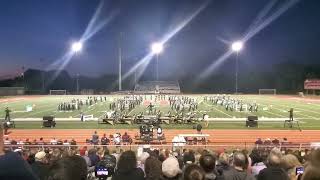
pixel 165 87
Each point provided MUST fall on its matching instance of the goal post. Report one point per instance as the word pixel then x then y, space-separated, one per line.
pixel 267 91
pixel 58 92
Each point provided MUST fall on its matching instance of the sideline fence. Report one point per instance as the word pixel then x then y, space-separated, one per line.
pixel 171 146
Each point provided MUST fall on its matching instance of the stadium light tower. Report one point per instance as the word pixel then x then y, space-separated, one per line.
pixel 76 47
pixel 236 47
pixel 157 48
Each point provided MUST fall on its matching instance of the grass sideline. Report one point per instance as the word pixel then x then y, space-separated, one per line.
pixel 95 125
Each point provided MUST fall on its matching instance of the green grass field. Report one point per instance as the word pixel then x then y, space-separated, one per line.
pixel 306 110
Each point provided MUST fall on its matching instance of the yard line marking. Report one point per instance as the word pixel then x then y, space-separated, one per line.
pixel 218 110
pixel 274 113
pixel 295 105
pixel 275 104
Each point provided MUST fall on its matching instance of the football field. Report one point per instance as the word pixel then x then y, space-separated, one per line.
pixel 273 107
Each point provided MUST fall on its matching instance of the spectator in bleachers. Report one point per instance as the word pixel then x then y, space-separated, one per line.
pixel 94 158
pixel 259 141
pixel 127 167
pixel 276 141
pixel 27 142
pixel 12 166
pixel 107 154
pixel 125 138
pixel 289 161
pixel 171 169
pixel 84 154
pixel 311 173
pixel 68 168
pixel 152 168
pixel 53 141
pixel 40 166
pixel 223 164
pixel 193 172
pixel 104 140
pixel 208 163
pixel 7 141
pixel 188 158
pixel 34 142
pixel 273 170
pixel 66 143
pixel 239 169
pixel 73 142
pixel 258 161
pixel 95 138
pixel 41 141
pixel 267 141
pixel 117 139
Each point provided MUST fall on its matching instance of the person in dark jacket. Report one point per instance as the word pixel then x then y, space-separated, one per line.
pixel 40 166
pixel 239 169
pixel 12 165
pixel 127 167
pixel 208 164
pixel 68 168
pixel 152 168
pixel 273 170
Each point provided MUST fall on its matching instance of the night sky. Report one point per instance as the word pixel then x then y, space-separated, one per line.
pixel 36 33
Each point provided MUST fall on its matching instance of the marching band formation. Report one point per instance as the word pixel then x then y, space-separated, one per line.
pixel 231 104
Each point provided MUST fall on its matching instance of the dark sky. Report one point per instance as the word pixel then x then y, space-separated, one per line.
pixel 36 33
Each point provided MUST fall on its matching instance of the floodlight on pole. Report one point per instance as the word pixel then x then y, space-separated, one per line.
pixel 236 47
pixel 76 47
pixel 157 48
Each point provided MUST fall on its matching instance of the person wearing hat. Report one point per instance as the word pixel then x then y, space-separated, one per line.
pixel 40 167
pixel 171 169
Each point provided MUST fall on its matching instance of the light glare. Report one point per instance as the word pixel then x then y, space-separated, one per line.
pixel 156 48
pixel 237 46
pixel 76 47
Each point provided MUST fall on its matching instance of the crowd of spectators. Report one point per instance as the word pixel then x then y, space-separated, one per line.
pixel 159 164
pixel 98 162
pixel 115 139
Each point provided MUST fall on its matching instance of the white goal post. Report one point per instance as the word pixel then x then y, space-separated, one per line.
pixel 267 91
pixel 58 92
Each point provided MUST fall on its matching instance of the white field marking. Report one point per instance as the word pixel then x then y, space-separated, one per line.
pixel 281 103
pixel 274 114
pixel 19 111
pixel 218 110
pixel 300 112
pixel 281 110
pixel 131 111
pixel 37 112
pixel 89 108
pixel 43 103
pixel 312 117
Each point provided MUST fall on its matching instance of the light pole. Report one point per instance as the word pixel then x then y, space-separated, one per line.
pixel 75 48
pixel 236 47
pixel 78 84
pixel 157 48
pixel 120 63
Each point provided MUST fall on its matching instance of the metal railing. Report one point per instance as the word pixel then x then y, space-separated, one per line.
pixel 172 146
